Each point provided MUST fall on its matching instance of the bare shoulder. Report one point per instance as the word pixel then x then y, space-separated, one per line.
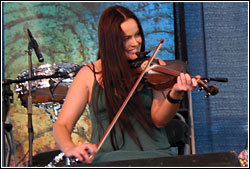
pixel 86 73
pixel 85 78
pixel 89 70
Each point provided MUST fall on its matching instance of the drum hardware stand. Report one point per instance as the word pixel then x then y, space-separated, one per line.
pixel 51 87
pixel 7 133
pixel 54 106
pixel 8 136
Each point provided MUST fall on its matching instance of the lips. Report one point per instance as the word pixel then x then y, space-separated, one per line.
pixel 133 51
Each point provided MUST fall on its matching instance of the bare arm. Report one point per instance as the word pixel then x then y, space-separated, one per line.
pixel 75 103
pixel 162 111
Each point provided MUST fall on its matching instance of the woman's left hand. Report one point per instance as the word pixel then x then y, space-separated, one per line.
pixel 185 83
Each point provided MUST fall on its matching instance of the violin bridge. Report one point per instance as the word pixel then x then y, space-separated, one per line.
pixel 144 64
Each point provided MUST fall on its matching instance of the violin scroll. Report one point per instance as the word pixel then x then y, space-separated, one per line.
pixel 210 89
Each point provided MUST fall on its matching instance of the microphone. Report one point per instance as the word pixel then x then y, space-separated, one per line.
pixel 35 47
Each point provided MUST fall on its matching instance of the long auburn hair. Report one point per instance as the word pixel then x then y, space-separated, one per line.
pixel 117 78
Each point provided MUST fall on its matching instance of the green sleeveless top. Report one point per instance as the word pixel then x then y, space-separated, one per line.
pixel 152 148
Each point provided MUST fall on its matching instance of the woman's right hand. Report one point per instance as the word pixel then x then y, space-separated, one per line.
pixel 82 152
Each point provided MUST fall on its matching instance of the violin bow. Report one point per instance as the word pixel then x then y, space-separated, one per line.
pixel 111 125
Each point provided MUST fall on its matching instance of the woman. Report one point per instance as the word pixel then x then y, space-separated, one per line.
pixel 104 85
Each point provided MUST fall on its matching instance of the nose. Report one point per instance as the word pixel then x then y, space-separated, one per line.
pixel 135 41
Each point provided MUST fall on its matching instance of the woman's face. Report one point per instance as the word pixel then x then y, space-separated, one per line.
pixel 132 38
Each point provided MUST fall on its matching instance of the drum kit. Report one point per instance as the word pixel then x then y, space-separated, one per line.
pixel 49 86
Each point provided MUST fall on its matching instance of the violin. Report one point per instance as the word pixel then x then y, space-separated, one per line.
pixel 160 77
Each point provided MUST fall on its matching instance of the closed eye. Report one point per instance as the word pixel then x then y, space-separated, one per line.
pixel 125 38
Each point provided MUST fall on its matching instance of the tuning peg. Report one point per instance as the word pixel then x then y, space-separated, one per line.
pixel 207 95
pixel 200 89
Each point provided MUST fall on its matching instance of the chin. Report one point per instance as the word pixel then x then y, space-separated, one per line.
pixel 132 57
